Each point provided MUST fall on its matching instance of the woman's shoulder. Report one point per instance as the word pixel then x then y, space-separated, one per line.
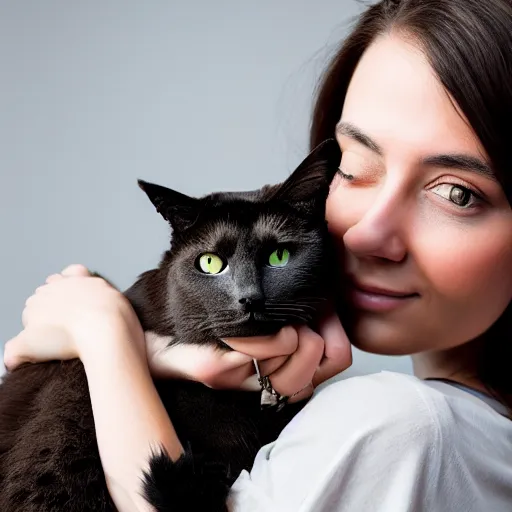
pixel 390 392
pixel 376 426
pixel 384 404
pixel 403 438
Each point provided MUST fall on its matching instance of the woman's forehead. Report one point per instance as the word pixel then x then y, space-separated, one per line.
pixel 395 97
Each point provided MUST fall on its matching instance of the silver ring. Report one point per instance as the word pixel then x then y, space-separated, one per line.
pixel 269 396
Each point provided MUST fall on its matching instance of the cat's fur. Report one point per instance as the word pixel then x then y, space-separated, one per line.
pixel 48 453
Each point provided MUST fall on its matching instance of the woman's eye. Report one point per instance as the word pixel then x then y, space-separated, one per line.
pixel 345 175
pixel 457 194
pixel 279 258
pixel 210 263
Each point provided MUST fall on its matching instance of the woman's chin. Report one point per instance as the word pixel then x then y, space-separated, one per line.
pixel 375 337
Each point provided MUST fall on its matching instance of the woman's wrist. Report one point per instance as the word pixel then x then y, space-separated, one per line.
pixel 106 342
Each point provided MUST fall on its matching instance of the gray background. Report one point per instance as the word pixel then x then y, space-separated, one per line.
pixel 193 94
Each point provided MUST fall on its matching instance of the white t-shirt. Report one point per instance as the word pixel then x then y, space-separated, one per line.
pixel 386 442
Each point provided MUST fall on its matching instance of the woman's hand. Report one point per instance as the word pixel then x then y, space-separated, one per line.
pixel 315 358
pixel 295 359
pixel 63 317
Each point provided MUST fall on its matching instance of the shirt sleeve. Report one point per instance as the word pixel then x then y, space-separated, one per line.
pixel 363 444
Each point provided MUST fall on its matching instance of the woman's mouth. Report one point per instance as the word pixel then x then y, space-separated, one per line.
pixel 379 299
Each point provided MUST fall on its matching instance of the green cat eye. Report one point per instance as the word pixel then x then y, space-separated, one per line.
pixel 211 263
pixel 279 258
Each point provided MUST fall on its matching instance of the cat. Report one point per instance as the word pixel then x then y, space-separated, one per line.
pixel 240 264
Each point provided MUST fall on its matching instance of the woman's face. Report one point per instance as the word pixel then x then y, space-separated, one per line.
pixel 426 228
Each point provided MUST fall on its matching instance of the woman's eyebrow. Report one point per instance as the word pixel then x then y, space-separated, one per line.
pixel 462 162
pixel 353 132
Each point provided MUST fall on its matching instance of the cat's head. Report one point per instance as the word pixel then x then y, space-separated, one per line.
pixel 246 263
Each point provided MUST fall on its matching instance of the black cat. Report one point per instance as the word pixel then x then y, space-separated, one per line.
pixel 240 264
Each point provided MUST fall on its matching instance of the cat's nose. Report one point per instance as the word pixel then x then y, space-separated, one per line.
pixel 252 304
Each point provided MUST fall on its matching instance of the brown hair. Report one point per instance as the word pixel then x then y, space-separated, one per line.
pixel 469 46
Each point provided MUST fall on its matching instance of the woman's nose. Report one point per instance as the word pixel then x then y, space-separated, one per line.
pixel 380 232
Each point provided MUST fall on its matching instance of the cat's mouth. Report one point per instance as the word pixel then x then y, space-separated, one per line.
pixel 251 324
pixel 260 318
pixel 261 321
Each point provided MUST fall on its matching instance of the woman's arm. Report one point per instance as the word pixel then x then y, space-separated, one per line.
pixel 83 317
pixel 79 316
pixel 130 419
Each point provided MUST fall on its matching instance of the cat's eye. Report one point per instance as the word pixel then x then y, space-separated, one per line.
pixel 210 263
pixel 279 258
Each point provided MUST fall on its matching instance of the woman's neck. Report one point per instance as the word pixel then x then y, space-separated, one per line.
pixel 459 364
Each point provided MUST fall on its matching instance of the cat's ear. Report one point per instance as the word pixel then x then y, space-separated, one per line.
pixel 308 186
pixel 178 209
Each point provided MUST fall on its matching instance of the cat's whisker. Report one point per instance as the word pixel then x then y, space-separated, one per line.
pixel 311 302
pixel 284 307
pixel 301 300
pixel 311 297
pixel 300 307
pixel 291 306
pixel 204 315
pixel 287 316
pixel 202 319
pixel 205 326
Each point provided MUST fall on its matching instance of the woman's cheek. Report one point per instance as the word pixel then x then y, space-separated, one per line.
pixel 466 263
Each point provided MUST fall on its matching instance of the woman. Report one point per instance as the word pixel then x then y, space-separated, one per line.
pixel 420 98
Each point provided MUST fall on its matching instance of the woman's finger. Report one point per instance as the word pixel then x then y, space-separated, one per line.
pixel 32 345
pixel 194 362
pixel 237 378
pixel 53 278
pixel 269 366
pixel 11 356
pixel 283 343
pixel 25 314
pixel 337 352
pixel 31 305
pixel 76 271
pixel 266 367
pixel 271 352
pixel 210 370
pixel 297 373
